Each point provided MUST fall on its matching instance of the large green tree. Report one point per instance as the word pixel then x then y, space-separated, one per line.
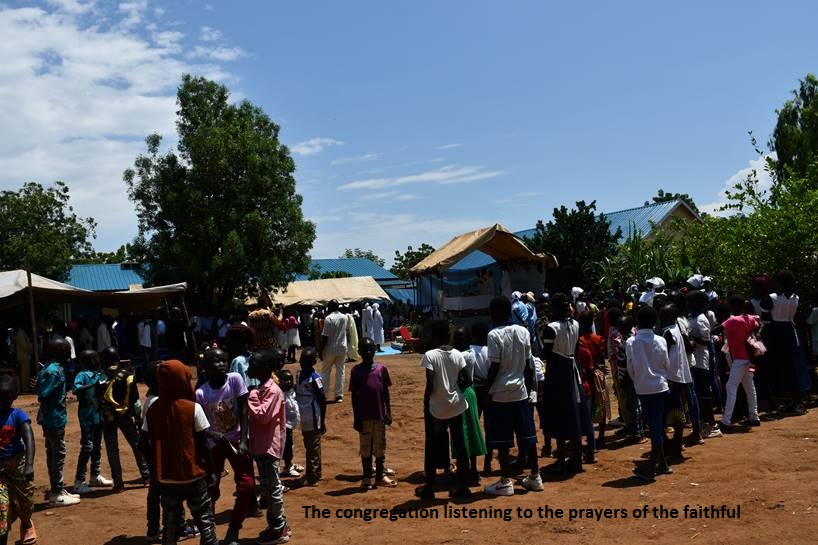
pixel 221 212
pixel 39 227
pixel 578 238
pixel 365 254
pixel 408 259
pixel 774 228
pixel 795 137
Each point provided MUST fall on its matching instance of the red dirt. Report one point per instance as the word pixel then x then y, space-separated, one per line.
pixel 770 472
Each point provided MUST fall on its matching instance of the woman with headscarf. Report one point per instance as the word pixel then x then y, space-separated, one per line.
pixel 175 426
pixel 377 326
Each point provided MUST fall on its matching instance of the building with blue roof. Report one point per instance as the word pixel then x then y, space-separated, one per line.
pixel 642 219
pixel 106 276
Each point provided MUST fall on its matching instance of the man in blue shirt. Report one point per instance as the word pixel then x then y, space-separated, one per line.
pixel 52 418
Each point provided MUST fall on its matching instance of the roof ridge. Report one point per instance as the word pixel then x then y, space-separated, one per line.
pixel 640 207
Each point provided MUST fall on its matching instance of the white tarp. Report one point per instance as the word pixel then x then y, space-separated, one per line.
pixel 321 292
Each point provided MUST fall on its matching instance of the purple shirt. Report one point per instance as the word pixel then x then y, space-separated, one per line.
pixel 369 388
pixel 221 406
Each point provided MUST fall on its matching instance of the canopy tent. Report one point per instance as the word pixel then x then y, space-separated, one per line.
pixel 496 241
pixel 321 292
pixel 14 285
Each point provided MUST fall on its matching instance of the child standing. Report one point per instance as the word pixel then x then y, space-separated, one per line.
pixel 472 434
pixel 369 386
pixel 443 407
pixel 647 364
pixel 738 329
pixel 293 420
pixel 121 412
pixel 52 418
pixel 224 400
pixel 176 426
pixel 153 500
pixel 87 386
pixel 312 405
pixel 267 424
pixel 16 464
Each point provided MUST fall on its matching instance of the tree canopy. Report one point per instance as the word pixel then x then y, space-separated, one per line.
pixel 38 226
pixel 577 237
pixel 365 254
pixel 408 259
pixel 220 213
pixel 795 137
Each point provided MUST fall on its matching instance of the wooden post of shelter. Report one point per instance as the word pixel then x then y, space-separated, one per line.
pixel 33 322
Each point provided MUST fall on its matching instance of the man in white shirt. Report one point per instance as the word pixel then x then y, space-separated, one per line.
pixel 143 333
pixel 104 334
pixel 443 408
pixel 511 382
pixel 333 349
pixel 647 365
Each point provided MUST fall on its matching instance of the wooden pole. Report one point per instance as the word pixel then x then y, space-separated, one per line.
pixel 33 323
pixel 187 325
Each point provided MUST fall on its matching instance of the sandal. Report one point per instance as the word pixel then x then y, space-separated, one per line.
pixel 28 536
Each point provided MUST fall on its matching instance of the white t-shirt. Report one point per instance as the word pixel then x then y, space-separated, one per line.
pixel 446 400
pixel 480 355
pixel 200 422
pixel 510 347
pixel 335 330
pixel 679 365
pixel 699 332
pixel 647 362
pixel 143 331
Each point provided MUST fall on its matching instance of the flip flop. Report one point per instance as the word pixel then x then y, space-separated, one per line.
pixel 28 536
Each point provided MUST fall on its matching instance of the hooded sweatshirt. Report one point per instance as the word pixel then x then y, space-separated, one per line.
pixel 172 422
pixel 267 417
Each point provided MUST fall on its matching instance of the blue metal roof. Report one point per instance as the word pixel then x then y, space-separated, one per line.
pixel 402 295
pixel 640 217
pixel 356 266
pixel 103 277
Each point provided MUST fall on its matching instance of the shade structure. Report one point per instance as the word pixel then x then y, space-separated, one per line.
pixel 496 241
pixel 13 286
pixel 320 292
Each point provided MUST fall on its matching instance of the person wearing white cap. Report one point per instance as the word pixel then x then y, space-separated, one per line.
pixel 695 282
pixel 651 285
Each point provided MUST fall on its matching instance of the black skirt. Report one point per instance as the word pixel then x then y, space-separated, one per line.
pixel 563 399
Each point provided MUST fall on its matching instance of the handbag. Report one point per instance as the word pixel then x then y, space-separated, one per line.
pixel 755 346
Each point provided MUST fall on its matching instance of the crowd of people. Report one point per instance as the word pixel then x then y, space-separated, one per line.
pixel 672 357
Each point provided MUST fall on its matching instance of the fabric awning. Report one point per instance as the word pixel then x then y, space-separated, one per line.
pixel 13 286
pixel 496 241
pixel 320 292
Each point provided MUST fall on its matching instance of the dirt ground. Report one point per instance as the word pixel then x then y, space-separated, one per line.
pixel 771 472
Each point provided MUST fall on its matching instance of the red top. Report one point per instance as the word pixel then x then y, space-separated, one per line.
pixel 737 329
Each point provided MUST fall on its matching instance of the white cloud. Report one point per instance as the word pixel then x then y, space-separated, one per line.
pixel 217 53
pixel 765 182
pixel 78 95
pixel 357 159
pixel 450 146
pixel 518 196
pixel 450 174
pixel 72 6
pixel 385 232
pixel 210 34
pixel 133 11
pixel 314 146
pixel 208 7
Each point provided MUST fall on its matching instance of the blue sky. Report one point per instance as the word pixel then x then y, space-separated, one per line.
pixel 410 122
